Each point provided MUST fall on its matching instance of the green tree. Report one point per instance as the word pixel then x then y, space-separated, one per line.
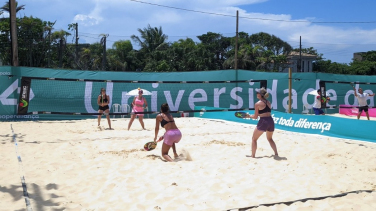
pixel 271 43
pixel 327 66
pixel 275 52
pixel 5 48
pixel 366 67
pixel 369 56
pixel 90 58
pixel 249 57
pixel 151 39
pixel 247 53
pixel 118 58
pixel 152 42
pixel 261 51
pixel 217 46
pixel 61 57
pixel 186 55
pixel 33 41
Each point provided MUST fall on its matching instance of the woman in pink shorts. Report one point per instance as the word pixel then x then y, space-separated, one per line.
pixel 172 134
pixel 138 106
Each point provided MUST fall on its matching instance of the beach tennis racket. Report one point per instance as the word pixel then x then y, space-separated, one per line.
pixel 150 146
pixel 241 114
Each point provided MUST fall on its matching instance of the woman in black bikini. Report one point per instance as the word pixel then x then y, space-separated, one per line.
pixel 266 122
pixel 172 134
pixel 103 101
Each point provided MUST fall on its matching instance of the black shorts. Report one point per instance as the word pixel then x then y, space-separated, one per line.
pixel 363 108
pixel 103 108
pixel 266 124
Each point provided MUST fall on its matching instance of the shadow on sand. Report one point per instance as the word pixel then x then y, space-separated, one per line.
pixel 37 200
pixel 276 157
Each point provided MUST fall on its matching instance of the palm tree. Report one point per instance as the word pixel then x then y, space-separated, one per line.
pixel 152 42
pixel 275 51
pixel 91 57
pixel 118 55
pixel 249 57
pixel 6 7
pixel 151 39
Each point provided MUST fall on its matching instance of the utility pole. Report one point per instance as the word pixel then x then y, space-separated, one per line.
pixel 30 46
pixel 13 32
pixel 76 42
pixel 290 88
pixel 49 48
pixel 236 48
pixel 103 42
pixel 236 40
pixel 61 53
pixel 300 55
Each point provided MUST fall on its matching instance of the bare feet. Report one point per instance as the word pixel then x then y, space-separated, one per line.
pixel 167 158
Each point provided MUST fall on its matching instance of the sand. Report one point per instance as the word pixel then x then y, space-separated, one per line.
pixel 74 165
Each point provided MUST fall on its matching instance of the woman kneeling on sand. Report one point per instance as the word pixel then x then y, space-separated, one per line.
pixel 172 134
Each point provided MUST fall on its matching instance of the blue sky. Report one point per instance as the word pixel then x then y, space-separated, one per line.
pixel 321 23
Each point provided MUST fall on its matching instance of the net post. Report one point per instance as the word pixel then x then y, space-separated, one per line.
pixel 23 102
pixel 263 83
pixel 323 93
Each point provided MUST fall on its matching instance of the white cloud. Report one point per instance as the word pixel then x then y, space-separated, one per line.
pixel 94 17
pixel 86 20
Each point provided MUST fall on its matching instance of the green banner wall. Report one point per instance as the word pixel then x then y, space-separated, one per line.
pixel 81 96
pixel 311 124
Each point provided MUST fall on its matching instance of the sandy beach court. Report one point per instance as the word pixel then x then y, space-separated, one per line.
pixel 74 165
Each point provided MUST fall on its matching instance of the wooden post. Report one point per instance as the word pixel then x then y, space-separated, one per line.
pixel 290 88
pixel 236 40
pixel 13 32
pixel 76 25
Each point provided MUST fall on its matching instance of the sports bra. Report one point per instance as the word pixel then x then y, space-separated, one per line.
pixel 139 102
pixel 266 109
pixel 104 99
pixel 164 122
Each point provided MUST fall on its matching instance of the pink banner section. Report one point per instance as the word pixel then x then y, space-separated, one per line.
pixel 353 111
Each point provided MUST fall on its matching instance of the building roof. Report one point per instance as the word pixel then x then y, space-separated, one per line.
pixel 296 53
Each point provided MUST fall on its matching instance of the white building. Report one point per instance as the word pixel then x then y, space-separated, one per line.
pixel 358 56
pixel 293 59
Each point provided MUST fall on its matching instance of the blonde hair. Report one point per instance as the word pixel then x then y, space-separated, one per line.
pixel 264 94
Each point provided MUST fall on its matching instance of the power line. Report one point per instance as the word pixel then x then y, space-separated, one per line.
pixel 129 36
pixel 189 36
pixel 333 43
pixel 178 8
pixel 97 38
pixel 262 19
